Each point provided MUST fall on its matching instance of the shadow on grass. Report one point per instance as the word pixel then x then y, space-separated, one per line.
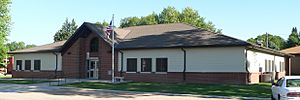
pixel 261 90
pixel 22 81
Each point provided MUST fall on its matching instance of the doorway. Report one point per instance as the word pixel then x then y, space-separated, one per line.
pixel 92 69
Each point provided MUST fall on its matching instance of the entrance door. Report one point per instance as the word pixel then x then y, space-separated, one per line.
pixel 92 69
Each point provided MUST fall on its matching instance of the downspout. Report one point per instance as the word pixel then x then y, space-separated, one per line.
pixel 122 55
pixel 246 65
pixel 56 63
pixel 184 64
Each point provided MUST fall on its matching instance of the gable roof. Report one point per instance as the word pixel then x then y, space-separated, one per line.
pixel 292 50
pixel 53 47
pixel 83 31
pixel 174 35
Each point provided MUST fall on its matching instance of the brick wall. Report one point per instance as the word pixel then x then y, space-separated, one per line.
pixel 254 77
pixel 34 74
pixel 195 77
pixel 74 60
pixel 70 61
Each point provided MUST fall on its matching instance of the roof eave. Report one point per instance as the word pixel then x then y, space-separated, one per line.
pixel 267 50
pixel 204 46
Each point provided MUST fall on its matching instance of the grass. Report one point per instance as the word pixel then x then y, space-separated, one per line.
pixel 22 81
pixel 5 77
pixel 261 90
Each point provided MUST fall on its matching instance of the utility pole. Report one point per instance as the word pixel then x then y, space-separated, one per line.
pixel 267 40
pixel 273 62
pixel 113 53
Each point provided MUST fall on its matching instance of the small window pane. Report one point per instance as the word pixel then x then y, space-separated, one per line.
pixel 161 64
pixel 94 45
pixel 37 64
pixel 146 64
pixel 131 64
pixel 19 65
pixel 27 64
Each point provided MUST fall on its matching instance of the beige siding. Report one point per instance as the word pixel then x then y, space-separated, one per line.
pixel 221 59
pixel 175 58
pixel 257 60
pixel 231 59
pixel 47 60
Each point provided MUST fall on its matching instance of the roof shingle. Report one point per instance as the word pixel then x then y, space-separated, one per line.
pixel 174 35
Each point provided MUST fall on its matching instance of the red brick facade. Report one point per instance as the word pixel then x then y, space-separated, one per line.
pixel 191 77
pixel 74 60
pixel 34 74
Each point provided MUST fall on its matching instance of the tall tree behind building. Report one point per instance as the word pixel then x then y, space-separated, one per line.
pixel 18 45
pixel 66 31
pixel 293 39
pixel 275 42
pixel 171 15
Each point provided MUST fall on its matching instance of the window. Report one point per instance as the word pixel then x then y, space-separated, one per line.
pixel 94 45
pixel 19 65
pixel 131 64
pixel 161 64
pixel 146 64
pixel 268 65
pixel 282 67
pixel 280 81
pixel 27 64
pixel 37 64
pixel 293 83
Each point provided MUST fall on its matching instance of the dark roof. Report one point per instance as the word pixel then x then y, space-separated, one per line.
pixel 174 35
pixel 152 36
pixel 53 47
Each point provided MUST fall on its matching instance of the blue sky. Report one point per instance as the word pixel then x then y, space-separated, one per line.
pixel 36 21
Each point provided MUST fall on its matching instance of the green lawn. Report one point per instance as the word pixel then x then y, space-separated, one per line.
pixel 22 81
pixel 261 90
pixel 5 77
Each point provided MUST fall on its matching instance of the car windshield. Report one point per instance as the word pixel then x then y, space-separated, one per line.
pixel 293 83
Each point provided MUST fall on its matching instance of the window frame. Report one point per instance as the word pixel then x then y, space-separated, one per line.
pixel 20 67
pixel 94 44
pixel 127 65
pixel 150 64
pixel 34 64
pixel 161 65
pixel 25 65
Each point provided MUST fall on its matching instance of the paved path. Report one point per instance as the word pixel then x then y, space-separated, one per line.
pixel 46 92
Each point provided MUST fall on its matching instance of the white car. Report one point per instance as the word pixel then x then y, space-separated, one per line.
pixel 286 88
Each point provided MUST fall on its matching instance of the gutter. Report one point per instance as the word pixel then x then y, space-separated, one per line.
pixel 184 64
pixel 122 56
pixel 56 62
pixel 246 66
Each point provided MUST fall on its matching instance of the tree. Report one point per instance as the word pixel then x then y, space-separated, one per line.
pixel 104 23
pixel 30 46
pixel 149 20
pixel 293 39
pixel 275 42
pixel 130 21
pixel 191 16
pixel 5 19
pixel 18 45
pixel 66 31
pixel 171 15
